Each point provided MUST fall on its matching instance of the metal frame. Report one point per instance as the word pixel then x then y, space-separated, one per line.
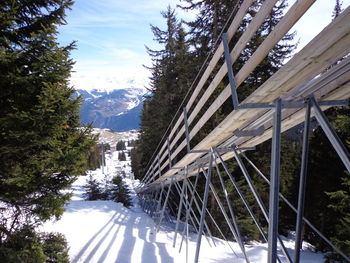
pixel 189 196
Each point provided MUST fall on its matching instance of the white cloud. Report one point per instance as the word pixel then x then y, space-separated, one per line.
pixel 316 18
pixel 111 36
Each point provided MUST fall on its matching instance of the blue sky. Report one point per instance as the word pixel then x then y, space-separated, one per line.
pixel 111 36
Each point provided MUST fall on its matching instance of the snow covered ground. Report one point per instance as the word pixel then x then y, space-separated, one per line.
pixel 105 231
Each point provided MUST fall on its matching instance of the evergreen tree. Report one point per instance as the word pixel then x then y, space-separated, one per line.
pixel 93 189
pixel 337 8
pixel 327 195
pixel 94 161
pixel 340 205
pixel 172 74
pixel 204 33
pixel 120 192
pixel 120 146
pixel 327 186
pixel 42 150
pixel 121 156
pixel 28 246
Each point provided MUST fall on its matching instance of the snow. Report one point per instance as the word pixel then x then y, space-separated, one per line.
pixel 105 231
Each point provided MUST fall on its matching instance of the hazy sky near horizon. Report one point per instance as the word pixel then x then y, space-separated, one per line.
pixel 111 36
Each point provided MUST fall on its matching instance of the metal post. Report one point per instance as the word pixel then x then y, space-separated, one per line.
pixel 211 217
pixel 295 210
pixel 228 201
pixel 258 199
pixel 164 205
pixel 231 78
pixel 331 135
pixel 159 202
pixel 302 183
pixel 179 212
pixel 274 188
pixel 187 131
pixel 204 206
pixel 245 202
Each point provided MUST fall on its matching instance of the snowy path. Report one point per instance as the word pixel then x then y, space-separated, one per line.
pixel 105 231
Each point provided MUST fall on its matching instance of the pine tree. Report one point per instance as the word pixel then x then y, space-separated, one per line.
pixel 120 192
pixel 92 189
pixel 337 8
pixel 42 148
pixel 120 146
pixel 204 35
pixel 94 161
pixel 172 74
pixel 121 156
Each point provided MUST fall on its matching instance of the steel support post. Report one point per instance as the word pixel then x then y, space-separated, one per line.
pixel 179 212
pixel 187 133
pixel 295 210
pixel 232 228
pixel 204 206
pixel 250 184
pixel 302 183
pixel 229 204
pixel 159 201
pixel 185 204
pixel 164 205
pixel 190 217
pixel 194 193
pixel 231 78
pixel 244 200
pixel 189 205
pixel 331 135
pixel 184 201
pixel 214 222
pixel 274 187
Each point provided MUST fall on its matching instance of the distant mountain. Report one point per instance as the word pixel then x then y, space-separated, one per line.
pixel 118 110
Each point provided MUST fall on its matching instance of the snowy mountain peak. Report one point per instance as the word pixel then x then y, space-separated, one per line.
pixel 117 109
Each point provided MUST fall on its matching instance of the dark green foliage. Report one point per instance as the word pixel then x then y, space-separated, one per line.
pixel 42 148
pixel 120 192
pixel 340 205
pixel 337 8
pixel 327 204
pixel 173 71
pixel 328 188
pixel 55 248
pixel 27 246
pixel 121 156
pixel 120 146
pixel 131 143
pixel 93 189
pixel 94 161
pixel 115 190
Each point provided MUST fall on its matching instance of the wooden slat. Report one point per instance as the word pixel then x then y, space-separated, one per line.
pixel 335 45
pixel 219 51
pixel 258 19
pixel 281 29
pixel 283 26
pixel 288 122
pixel 231 30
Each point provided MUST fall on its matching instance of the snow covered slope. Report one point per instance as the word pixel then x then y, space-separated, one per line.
pixel 105 231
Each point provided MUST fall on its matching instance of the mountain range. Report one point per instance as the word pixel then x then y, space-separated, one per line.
pixel 118 110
